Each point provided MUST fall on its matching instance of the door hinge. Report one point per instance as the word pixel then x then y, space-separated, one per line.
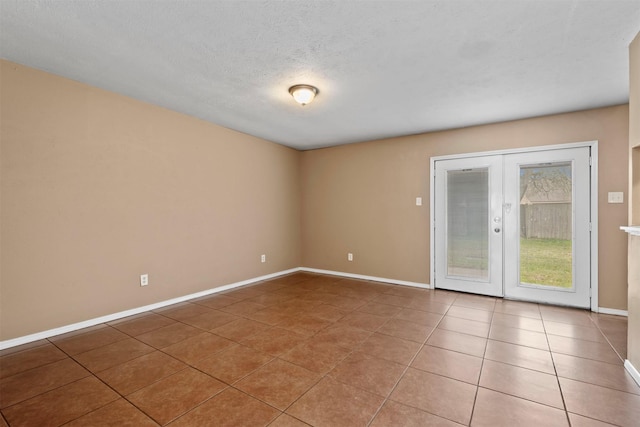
pixel 590 161
pixel 589 227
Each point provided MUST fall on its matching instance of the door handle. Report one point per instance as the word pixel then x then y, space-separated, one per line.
pixel 497 229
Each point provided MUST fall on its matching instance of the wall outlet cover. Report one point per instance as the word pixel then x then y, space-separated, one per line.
pixel 615 197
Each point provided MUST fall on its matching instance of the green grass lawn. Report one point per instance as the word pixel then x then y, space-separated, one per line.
pixel 542 261
pixel 546 262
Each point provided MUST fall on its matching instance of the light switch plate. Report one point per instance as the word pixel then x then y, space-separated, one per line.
pixel 418 201
pixel 616 197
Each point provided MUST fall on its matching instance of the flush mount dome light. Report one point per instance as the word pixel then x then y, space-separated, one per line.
pixel 303 94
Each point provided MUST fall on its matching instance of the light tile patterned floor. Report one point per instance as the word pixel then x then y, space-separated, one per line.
pixel 308 349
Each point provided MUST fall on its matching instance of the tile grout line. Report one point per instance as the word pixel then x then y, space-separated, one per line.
pixel 91 374
pixel 534 370
pixel 122 396
pixel 597 325
pixel 326 374
pixel 352 349
pixel 320 378
pixel 188 365
pixel 387 398
pixel 475 398
pixel 555 370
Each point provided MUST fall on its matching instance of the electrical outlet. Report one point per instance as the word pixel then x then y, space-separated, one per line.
pixel 615 197
pixel 349 256
pixel 263 258
pixel 144 279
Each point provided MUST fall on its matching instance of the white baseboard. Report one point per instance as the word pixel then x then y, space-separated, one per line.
pixel 613 311
pixel 632 371
pixel 111 317
pixel 363 277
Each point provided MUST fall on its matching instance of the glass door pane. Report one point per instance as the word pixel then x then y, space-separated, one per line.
pixel 468 223
pixel 546 226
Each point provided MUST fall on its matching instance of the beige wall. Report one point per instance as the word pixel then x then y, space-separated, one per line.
pixel 98 188
pixel 633 352
pixel 634 189
pixel 360 198
pixel 634 128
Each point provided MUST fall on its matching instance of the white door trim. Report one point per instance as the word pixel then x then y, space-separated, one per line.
pixel 593 203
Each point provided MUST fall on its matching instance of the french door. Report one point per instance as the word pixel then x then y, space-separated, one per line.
pixel 515 225
pixel 468 225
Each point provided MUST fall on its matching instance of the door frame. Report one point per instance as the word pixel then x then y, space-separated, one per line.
pixel 593 205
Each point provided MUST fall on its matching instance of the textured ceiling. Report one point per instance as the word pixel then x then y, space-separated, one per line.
pixel 383 68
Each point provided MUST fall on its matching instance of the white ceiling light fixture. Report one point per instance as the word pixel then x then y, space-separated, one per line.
pixel 303 94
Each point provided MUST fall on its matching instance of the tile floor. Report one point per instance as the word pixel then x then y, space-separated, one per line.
pixel 316 350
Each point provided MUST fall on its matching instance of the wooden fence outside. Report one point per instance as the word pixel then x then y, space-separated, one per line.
pixel 546 221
